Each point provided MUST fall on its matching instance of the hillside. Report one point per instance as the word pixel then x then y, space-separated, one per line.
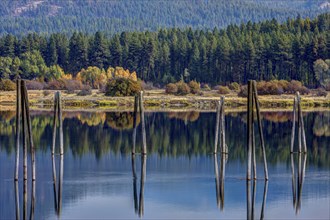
pixel 89 16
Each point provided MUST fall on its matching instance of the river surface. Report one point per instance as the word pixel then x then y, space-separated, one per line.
pixel 179 178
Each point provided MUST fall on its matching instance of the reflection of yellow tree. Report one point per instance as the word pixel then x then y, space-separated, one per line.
pixel 7 115
pixel 277 116
pixel 92 119
pixel 321 126
pixel 121 120
pixel 6 128
pixel 186 116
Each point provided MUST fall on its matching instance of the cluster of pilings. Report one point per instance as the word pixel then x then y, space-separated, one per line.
pixel 254 102
pixel 220 179
pixel 250 201
pixel 220 140
pixel 139 202
pixel 57 187
pixel 300 175
pixel 220 128
pixel 138 107
pixel 301 129
pixel 23 116
pixel 298 180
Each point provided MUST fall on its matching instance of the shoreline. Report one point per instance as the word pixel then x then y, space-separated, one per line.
pixel 157 100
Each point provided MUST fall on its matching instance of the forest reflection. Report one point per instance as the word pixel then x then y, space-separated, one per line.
pixel 183 133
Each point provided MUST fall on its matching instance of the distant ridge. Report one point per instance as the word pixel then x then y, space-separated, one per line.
pixel 89 16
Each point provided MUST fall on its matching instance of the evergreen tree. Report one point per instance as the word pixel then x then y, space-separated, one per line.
pixel 78 56
pixel 99 51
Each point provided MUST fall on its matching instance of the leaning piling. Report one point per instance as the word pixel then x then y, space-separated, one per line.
pixel 301 128
pixel 18 117
pixel 262 141
pixel 144 139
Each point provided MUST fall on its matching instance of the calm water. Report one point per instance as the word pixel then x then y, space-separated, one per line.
pixel 178 178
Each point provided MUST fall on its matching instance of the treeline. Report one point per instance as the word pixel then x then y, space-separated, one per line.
pixel 51 16
pixel 262 51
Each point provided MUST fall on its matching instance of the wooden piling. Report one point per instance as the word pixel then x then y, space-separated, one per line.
pixel 217 184
pixel 60 123
pixel 29 130
pixel 136 105
pixel 303 134
pixel 293 123
pixel 18 117
pixel 217 124
pixel 301 123
pixel 222 134
pixel 249 129
pixel 254 148
pixel 54 122
pixel 255 93
pixel 24 131
pixel 144 139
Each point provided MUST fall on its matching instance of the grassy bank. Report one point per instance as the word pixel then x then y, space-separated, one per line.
pixel 157 99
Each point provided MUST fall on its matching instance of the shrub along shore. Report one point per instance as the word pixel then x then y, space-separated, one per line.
pixel 158 99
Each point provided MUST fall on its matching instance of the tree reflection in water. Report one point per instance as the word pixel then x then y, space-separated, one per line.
pixel 100 133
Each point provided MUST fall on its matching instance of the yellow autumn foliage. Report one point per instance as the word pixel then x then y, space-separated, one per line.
pixel 92 76
pixel 120 72
pixel 96 77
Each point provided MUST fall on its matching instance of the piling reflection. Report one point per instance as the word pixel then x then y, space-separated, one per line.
pixel 142 180
pixel 220 179
pixel 33 200
pixel 17 201
pixel 250 201
pixel 58 189
pixel 298 180
pixel 25 199
pixel 217 184
pixel 254 186
pixel 139 202
pixel 264 200
pixel 136 204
